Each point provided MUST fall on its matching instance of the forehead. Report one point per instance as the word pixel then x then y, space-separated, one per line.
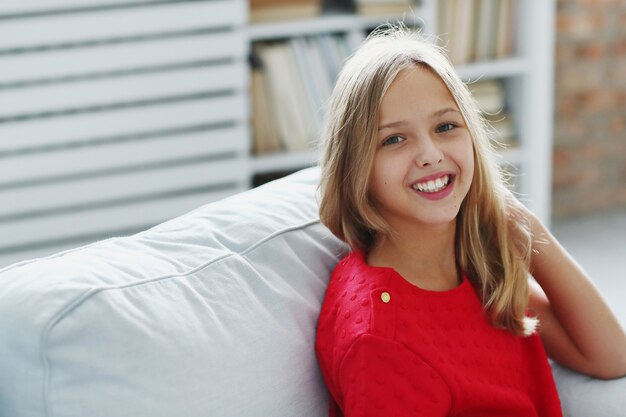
pixel 415 89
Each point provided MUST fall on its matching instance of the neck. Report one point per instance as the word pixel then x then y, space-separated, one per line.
pixel 423 255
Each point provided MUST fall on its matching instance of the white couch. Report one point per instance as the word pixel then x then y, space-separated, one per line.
pixel 209 314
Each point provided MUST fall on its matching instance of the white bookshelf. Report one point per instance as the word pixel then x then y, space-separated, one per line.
pixel 285 161
pixel 158 120
pixel 527 77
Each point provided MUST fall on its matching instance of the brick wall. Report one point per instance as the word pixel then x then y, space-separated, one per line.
pixel 590 107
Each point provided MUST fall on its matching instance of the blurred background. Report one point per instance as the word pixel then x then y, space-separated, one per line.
pixel 116 115
pixel 589 150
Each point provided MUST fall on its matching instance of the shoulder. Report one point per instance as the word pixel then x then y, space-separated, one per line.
pixel 354 305
pixel 354 295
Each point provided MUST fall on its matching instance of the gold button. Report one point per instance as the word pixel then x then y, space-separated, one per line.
pixel 385 297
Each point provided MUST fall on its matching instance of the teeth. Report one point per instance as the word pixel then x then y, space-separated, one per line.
pixel 433 186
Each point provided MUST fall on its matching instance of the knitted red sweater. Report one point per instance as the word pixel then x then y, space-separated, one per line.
pixel 388 348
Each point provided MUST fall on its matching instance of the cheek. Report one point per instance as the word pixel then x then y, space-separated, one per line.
pixel 380 173
pixel 470 166
pixel 468 159
pixel 374 183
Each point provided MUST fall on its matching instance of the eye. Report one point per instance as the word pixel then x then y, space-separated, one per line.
pixel 392 140
pixel 445 127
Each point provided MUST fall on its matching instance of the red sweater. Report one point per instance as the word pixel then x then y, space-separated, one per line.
pixel 388 348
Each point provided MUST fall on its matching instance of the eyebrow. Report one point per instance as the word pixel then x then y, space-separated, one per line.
pixel 432 116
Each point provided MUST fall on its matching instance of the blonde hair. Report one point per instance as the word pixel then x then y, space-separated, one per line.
pixel 485 252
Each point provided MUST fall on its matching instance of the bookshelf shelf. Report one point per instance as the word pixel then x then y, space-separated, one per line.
pixel 301 27
pixel 330 23
pixel 506 67
pixel 283 161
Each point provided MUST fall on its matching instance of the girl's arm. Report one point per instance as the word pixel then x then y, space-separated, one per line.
pixel 577 327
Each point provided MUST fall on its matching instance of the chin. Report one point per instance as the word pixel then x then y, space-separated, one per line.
pixel 442 222
pixel 439 220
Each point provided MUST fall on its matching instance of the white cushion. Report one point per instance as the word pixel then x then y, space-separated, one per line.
pixel 582 396
pixel 209 314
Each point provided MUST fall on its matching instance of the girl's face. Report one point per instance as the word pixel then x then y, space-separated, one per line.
pixel 423 165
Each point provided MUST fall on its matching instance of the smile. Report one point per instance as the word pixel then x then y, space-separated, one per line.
pixel 432 186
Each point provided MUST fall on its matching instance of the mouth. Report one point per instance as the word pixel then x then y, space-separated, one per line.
pixel 434 186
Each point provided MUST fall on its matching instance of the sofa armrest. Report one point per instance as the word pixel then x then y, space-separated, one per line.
pixel 583 396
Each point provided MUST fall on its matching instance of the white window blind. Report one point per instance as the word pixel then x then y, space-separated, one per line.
pixel 116 115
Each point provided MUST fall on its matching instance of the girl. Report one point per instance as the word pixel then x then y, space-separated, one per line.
pixel 431 313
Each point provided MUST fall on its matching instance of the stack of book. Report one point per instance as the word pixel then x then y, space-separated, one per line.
pixel 490 98
pixel 383 7
pixel 476 30
pixel 290 85
pixel 271 10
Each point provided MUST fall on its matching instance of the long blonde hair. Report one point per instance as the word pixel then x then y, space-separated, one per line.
pixel 496 265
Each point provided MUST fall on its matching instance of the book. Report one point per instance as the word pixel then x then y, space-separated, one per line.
pixel 461 45
pixel 255 4
pixel 323 82
pixel 489 95
pixel 477 30
pixel 284 102
pixel 482 29
pixel 331 60
pixel 293 80
pixel 342 44
pixel 305 67
pixel 505 36
pixel 502 129
pixel 299 77
pixel 358 2
pixel 285 11
pixel 447 17
pixel 485 28
pixel 265 137
pixel 384 9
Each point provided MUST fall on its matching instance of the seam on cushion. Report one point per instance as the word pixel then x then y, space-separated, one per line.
pixel 138 234
pixel 276 234
pixel 57 254
pixel 210 262
pixel 42 342
pixel 75 303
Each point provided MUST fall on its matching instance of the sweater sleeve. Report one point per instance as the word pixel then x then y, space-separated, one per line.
pixel 381 377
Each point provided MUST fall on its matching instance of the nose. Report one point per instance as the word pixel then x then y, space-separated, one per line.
pixel 428 153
